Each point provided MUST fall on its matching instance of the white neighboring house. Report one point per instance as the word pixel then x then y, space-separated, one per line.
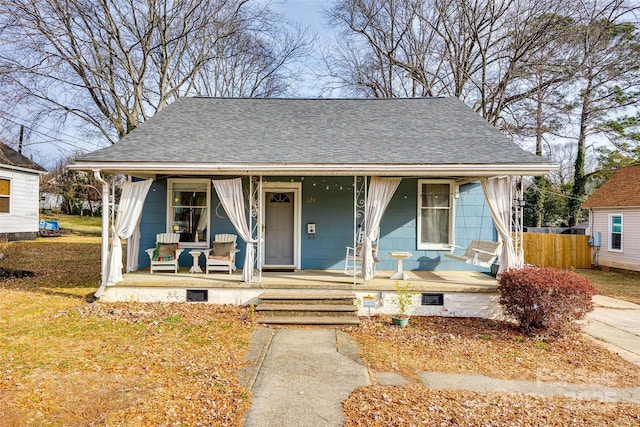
pixel 51 202
pixel 19 195
pixel 614 213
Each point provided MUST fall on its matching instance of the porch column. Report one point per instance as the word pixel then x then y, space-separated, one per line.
pixel 255 224
pixel 359 219
pixel 105 232
pixel 518 219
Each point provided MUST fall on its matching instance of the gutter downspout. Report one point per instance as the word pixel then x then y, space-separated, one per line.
pixel 105 234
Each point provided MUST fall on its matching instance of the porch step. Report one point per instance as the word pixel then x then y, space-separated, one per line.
pixel 307 297
pixel 307 308
pixel 309 320
pixel 303 309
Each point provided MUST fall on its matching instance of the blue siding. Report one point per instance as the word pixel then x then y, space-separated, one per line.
pixel 332 211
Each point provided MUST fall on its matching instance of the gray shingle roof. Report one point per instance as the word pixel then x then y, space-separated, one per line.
pixel 315 131
pixel 10 157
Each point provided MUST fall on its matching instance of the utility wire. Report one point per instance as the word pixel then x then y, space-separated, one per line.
pixel 7 116
pixel 36 131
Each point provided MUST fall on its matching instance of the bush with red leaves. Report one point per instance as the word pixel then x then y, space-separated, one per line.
pixel 545 300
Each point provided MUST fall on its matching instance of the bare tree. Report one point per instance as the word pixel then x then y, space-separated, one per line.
pixel 114 63
pixel 474 50
pixel 609 78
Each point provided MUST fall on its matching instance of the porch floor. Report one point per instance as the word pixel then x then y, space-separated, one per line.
pixel 421 281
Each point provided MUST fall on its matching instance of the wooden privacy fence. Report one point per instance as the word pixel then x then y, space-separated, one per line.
pixel 557 250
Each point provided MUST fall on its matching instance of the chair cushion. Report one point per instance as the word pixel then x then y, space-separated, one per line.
pixel 223 248
pixel 220 257
pixel 165 252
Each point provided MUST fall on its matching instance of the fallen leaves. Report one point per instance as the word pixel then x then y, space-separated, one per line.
pixel 488 347
pixel 414 405
pixel 493 348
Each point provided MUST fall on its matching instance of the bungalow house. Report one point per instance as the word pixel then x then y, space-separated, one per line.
pixel 19 195
pixel 614 220
pixel 300 180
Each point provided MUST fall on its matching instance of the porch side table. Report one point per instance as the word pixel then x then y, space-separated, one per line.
pixel 195 253
pixel 400 256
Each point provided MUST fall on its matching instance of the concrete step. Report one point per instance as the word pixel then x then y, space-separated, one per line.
pixel 307 309
pixel 268 307
pixel 303 297
pixel 310 320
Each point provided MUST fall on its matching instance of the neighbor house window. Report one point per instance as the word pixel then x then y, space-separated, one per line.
pixel 615 232
pixel 435 214
pixel 188 210
pixel 5 195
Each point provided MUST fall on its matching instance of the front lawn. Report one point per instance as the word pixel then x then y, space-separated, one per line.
pixel 65 362
pixel 614 284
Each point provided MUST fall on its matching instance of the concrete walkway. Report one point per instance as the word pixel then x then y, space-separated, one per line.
pixel 477 382
pixel 615 324
pixel 300 377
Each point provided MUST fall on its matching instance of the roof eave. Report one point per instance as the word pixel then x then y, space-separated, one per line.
pixel 461 169
pixel 23 169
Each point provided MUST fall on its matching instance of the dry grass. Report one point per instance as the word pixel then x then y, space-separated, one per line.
pixel 614 284
pixel 66 362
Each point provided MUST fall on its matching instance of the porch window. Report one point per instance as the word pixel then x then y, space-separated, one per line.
pixel 615 233
pixel 5 195
pixel 435 214
pixel 188 210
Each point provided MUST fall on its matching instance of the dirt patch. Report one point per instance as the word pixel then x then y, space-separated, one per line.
pixel 9 273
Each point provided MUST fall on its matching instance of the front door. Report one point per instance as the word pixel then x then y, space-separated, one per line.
pixel 279 228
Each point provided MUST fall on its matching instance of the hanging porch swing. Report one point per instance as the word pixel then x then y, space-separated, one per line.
pixel 479 252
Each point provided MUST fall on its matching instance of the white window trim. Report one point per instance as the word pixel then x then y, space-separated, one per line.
pixel 169 215
pixel 10 196
pixel 610 248
pixel 453 189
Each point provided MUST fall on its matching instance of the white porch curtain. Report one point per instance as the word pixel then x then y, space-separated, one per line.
pixel 497 191
pixel 230 195
pixel 127 219
pixel 379 195
pixel 133 247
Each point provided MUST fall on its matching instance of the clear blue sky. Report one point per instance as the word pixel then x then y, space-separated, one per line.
pixel 307 14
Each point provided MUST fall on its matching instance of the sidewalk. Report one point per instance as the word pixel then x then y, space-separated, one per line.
pixel 615 324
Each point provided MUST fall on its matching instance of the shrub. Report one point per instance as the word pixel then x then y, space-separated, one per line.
pixel 545 300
